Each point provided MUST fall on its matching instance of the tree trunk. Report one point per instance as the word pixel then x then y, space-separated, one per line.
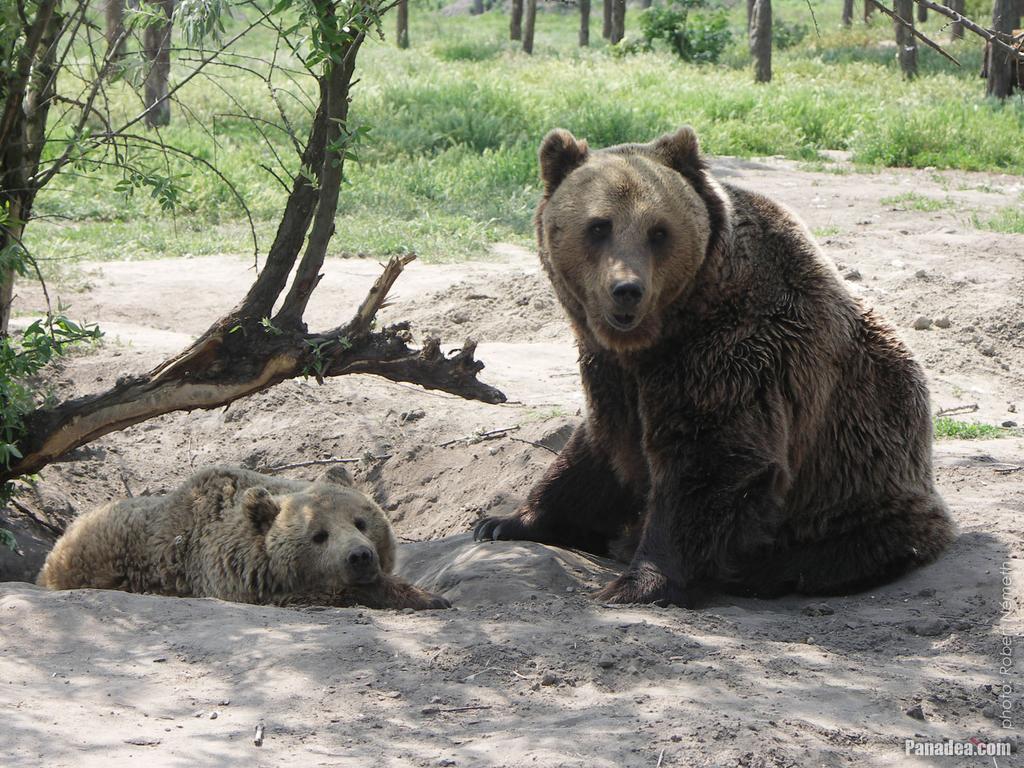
pixel 956 30
pixel 922 14
pixel 515 31
pixel 156 43
pixel 27 94
pixel 606 15
pixel 114 10
pixel 531 21
pixel 761 41
pixel 645 4
pixel 847 13
pixel 1002 69
pixel 478 7
pixel 618 21
pixel 750 16
pixel 584 23
pixel 869 8
pixel 402 24
pixel 906 43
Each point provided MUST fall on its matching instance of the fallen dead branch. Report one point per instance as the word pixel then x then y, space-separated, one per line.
pixel 957 410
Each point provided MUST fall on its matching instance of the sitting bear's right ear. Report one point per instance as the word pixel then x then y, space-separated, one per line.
pixel 259 506
pixel 560 154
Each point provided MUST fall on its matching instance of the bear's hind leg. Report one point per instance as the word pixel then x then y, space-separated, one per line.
pixel 902 535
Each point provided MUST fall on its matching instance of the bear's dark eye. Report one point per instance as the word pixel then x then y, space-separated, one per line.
pixel 320 537
pixel 599 229
pixel 658 235
pixel 360 524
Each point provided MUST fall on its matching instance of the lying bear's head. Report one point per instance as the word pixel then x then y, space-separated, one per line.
pixel 325 538
pixel 623 231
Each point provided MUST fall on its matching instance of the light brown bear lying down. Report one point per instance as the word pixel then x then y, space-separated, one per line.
pixel 242 536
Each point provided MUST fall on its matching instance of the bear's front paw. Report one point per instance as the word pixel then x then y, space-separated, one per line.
pixel 510 528
pixel 643 585
pixel 421 600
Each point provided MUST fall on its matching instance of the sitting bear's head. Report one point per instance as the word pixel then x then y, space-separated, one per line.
pixel 623 231
pixel 325 538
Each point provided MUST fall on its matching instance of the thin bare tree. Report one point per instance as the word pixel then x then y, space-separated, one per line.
pixel 515 27
pixel 906 42
pixel 584 23
pixel 847 13
pixel 1001 66
pixel 529 25
pixel 618 21
pixel 156 44
pixel 606 16
pixel 956 29
pixel 761 40
pixel 402 24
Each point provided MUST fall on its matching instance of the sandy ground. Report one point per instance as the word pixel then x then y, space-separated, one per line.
pixel 527 670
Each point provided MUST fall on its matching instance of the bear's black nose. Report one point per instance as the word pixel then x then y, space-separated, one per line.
pixel 360 557
pixel 627 294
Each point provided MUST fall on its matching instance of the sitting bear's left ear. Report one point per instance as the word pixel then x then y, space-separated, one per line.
pixel 337 475
pixel 260 508
pixel 680 151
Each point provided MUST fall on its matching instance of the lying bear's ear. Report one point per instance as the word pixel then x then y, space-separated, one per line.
pixel 680 151
pixel 560 154
pixel 336 475
pixel 260 508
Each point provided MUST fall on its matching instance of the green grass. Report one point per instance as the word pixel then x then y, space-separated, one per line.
pixel 826 231
pixel 951 429
pixel 449 166
pixel 1009 220
pixel 912 201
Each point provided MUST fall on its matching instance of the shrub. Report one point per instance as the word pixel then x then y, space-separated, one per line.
pixel 692 34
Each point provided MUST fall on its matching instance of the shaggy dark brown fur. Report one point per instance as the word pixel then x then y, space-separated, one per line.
pixel 751 427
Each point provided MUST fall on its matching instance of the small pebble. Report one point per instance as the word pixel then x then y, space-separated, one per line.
pixel 928 627
pixel 922 323
pixel 988 350
pixel 818 609
pixel 1009 423
pixel 549 678
pixel 920 273
pixel 606 662
pixel 916 712
pixel 943 322
pixel 852 275
pixel 446 761
pixel 214 715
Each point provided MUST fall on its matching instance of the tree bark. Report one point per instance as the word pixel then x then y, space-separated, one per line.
pixel 618 21
pixel 1002 69
pixel 114 11
pixel 906 43
pixel 606 15
pixel 156 44
pixel 478 7
pixel 922 14
pixel 584 23
pixel 528 27
pixel 402 24
pixel 761 41
pixel 847 13
pixel 515 27
pixel 750 15
pixel 956 30
pixel 869 8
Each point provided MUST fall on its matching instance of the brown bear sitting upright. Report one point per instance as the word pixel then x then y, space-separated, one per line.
pixel 751 427
pixel 241 536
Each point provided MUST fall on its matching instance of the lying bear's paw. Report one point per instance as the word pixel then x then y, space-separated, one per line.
pixel 643 585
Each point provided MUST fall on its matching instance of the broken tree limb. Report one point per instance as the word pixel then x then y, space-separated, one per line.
pixel 913 30
pixel 232 361
pixel 966 23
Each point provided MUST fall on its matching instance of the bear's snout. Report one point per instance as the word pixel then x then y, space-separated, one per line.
pixel 362 563
pixel 627 295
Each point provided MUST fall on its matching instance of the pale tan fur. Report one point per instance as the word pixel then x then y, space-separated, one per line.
pixel 226 533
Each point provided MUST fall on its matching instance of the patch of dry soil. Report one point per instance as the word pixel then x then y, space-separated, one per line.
pixel 526 670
